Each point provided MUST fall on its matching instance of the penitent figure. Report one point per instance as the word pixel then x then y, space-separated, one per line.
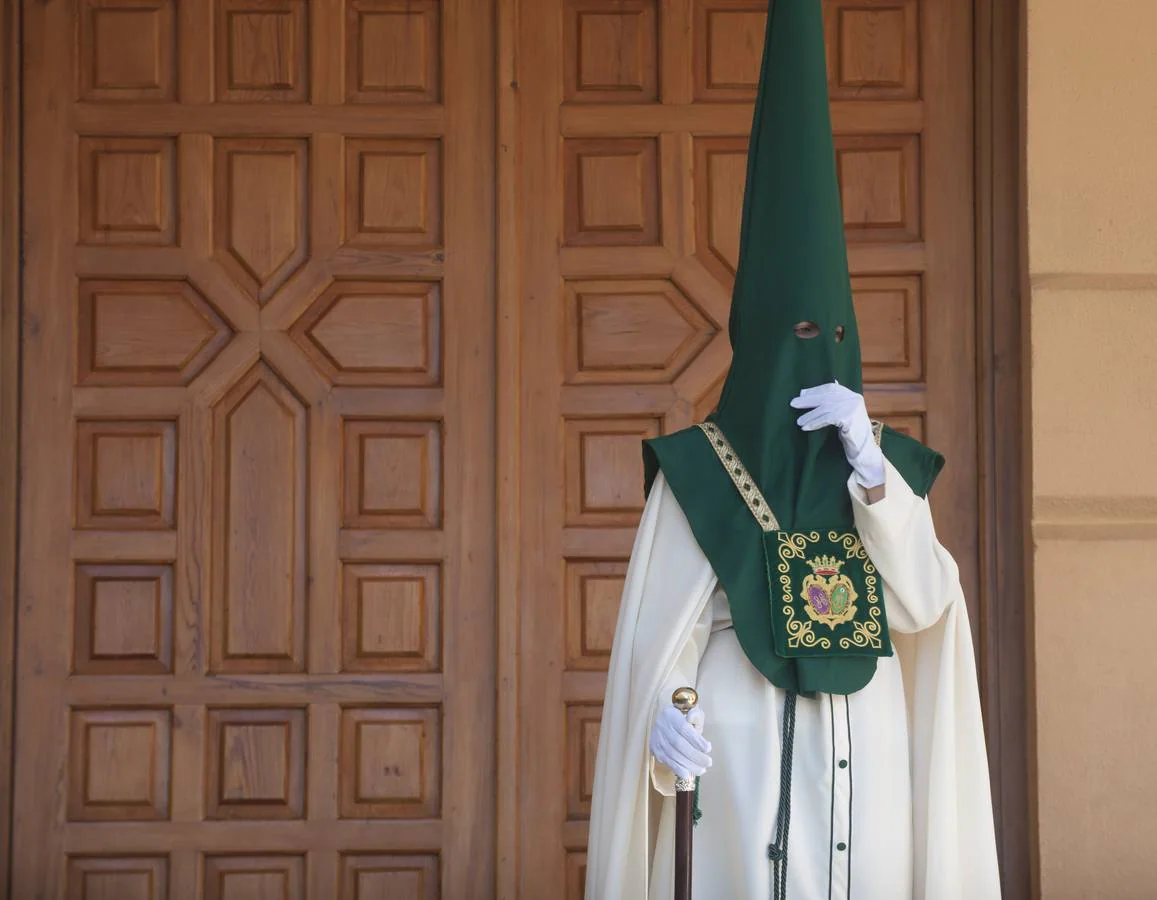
pixel 787 568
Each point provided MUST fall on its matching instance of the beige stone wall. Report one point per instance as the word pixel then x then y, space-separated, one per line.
pixel 1092 223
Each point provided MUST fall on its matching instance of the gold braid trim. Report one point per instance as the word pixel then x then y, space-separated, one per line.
pixel 742 479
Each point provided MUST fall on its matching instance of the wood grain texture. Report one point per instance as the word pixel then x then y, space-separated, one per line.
pixel 10 312
pixel 252 252
pixel 1006 475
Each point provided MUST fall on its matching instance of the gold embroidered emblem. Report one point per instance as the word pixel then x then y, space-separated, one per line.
pixel 830 598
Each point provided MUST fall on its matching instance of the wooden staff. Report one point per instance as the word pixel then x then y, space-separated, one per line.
pixel 684 700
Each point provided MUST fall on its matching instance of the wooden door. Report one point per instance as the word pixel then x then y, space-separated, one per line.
pixel 634 116
pixel 256 607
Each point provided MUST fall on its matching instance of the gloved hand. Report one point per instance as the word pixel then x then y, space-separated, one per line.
pixel 835 405
pixel 677 743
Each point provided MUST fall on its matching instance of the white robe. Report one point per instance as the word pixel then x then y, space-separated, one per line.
pixel 890 793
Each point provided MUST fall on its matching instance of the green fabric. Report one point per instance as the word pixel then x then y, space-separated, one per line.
pixel 826 595
pixel 792 268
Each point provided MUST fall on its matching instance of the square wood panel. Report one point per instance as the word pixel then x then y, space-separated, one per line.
pixel 728 37
pixel 126 475
pixel 873 49
pixel 124 620
pixel 127 50
pixel 393 473
pixel 880 186
pixel 118 878
pixel 393 51
pixel 604 470
pixel 388 876
pixel 890 315
pixel 391 618
pixel 611 51
pixel 119 765
pixel 394 192
pixel 245 877
pixel 256 763
pixel 391 763
pixel 128 191
pixel 262 51
pixel 594 589
pixel 611 192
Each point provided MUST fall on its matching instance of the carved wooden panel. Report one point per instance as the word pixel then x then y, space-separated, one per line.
pixel 128 191
pixel 262 50
pixel 611 51
pixel 376 333
pixel 280 877
pixel 576 875
pixel 119 765
pixel 880 186
pixel 582 727
pixel 261 200
pixel 123 620
pixel 631 331
pixel 259 366
pixel 145 332
pixel 604 470
pixel 911 424
pixel 392 618
pixel 890 314
pixel 728 48
pixel 396 187
pixel 612 192
pixel 255 764
pixel 260 455
pixel 127 50
pixel 720 176
pixel 393 52
pixel 390 763
pixel 393 474
pixel 126 474
pixel 873 49
pixel 118 878
pixel 593 589
pixel 389 877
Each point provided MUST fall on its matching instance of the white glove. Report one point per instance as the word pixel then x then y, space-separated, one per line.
pixel 834 404
pixel 677 743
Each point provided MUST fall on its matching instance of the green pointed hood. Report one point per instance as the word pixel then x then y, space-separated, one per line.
pixel 792 269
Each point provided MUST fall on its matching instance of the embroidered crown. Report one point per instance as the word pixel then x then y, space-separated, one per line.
pixel 825 566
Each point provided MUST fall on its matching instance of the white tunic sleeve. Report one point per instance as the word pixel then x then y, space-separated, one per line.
pixel 669 583
pixel 954 838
